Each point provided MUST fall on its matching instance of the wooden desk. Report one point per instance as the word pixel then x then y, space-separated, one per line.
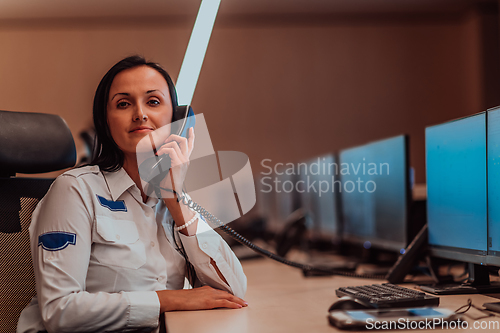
pixel 282 300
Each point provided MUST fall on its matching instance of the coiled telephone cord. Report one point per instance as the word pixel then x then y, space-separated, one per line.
pixel 216 223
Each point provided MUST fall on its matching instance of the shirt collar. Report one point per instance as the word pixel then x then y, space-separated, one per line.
pixel 118 182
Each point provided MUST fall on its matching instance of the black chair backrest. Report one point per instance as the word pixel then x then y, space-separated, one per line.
pixel 29 143
pixel 19 197
pixel 34 143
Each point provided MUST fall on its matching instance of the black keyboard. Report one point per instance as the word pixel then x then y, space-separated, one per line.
pixel 388 295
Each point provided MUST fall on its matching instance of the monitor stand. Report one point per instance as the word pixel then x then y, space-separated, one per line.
pixel 478 283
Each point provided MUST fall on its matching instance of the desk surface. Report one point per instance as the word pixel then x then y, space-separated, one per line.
pixel 282 300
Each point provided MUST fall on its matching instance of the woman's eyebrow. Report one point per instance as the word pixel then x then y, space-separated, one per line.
pixel 126 94
pixel 147 92
pixel 150 91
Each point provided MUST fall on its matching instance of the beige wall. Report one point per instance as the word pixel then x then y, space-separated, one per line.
pixel 282 89
pixel 302 91
pixel 53 69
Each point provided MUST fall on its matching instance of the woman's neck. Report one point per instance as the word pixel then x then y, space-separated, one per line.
pixel 131 167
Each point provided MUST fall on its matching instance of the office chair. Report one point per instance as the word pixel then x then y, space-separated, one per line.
pixel 29 143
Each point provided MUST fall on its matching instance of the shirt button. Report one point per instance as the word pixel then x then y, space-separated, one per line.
pixel 204 246
pixel 152 244
pixel 118 237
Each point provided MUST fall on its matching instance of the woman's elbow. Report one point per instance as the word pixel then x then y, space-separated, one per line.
pixel 55 319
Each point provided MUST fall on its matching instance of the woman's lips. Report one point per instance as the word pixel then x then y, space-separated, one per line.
pixel 141 130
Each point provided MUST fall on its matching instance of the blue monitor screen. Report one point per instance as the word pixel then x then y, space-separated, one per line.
pixel 275 202
pixel 456 184
pixel 318 194
pixel 375 193
pixel 265 201
pixel 285 200
pixel 494 181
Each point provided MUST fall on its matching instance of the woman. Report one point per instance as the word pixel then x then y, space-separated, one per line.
pixel 106 256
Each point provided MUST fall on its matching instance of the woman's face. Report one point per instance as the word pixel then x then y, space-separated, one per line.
pixel 139 102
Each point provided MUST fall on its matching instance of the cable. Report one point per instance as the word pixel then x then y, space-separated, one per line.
pixel 190 271
pixel 216 223
pixel 468 306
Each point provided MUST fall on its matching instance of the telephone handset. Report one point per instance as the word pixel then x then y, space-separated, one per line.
pixel 154 169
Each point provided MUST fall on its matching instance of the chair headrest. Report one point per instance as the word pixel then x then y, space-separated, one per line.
pixel 34 143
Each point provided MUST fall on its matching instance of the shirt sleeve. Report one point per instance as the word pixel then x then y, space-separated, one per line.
pixel 61 239
pixel 208 244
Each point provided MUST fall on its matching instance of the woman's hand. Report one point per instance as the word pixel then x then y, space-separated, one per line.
pixel 202 298
pixel 179 150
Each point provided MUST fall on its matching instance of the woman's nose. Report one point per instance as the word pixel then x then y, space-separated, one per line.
pixel 139 115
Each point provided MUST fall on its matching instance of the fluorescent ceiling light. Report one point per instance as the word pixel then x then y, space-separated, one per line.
pixel 195 53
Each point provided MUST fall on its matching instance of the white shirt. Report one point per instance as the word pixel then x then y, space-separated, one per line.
pixel 99 254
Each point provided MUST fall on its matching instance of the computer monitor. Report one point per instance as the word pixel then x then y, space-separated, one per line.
pixel 375 194
pixel 493 144
pixel 319 197
pixel 265 200
pixel 277 199
pixel 461 197
pixel 457 189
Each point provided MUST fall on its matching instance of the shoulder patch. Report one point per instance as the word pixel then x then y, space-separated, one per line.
pixel 114 206
pixel 56 240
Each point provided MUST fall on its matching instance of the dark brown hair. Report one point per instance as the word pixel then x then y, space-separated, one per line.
pixel 107 155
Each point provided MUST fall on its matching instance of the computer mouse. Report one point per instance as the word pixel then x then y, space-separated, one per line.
pixel 350 303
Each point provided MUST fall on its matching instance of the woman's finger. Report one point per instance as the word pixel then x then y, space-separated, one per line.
pixel 224 303
pixel 174 151
pixel 190 141
pixel 172 154
pixel 181 141
pixel 228 296
pixel 238 300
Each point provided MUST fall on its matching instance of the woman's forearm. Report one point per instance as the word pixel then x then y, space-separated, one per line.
pixel 181 215
pixel 202 298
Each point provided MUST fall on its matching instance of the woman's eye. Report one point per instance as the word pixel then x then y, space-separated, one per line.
pixel 122 105
pixel 154 102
